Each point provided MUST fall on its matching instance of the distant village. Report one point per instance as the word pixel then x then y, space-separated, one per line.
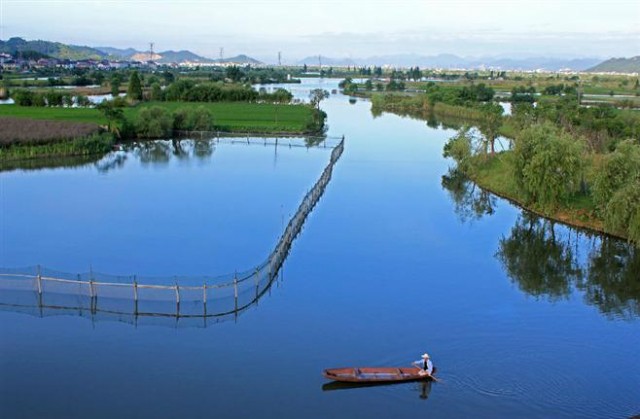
pixel 17 64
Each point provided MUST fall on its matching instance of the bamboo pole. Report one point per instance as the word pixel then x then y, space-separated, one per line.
pixel 204 297
pixel 235 290
pixel 257 282
pixel 135 295
pixel 177 300
pixel 39 281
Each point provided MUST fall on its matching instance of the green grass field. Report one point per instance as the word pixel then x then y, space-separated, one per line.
pixel 228 116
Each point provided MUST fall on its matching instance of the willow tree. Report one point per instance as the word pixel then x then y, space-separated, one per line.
pixel 548 165
pixel 490 124
pixel 616 190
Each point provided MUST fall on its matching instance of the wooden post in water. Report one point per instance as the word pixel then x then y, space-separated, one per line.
pixel 92 298
pixel 39 281
pixel 177 300
pixel 135 296
pixel 235 290
pixel 257 281
pixel 204 297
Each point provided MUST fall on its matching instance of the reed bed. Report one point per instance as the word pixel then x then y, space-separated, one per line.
pixel 21 131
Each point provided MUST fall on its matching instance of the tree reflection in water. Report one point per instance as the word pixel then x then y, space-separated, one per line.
pixel 538 262
pixel 471 202
pixel 549 260
pixel 613 280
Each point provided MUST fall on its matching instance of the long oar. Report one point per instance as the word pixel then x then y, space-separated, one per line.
pixel 433 377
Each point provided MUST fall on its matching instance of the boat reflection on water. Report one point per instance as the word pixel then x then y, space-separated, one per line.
pixel 424 386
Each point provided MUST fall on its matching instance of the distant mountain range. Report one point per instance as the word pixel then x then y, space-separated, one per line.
pixel 76 52
pixel 444 61
pixel 618 65
pixel 450 61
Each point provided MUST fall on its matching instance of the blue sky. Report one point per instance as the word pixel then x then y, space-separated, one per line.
pixel 352 28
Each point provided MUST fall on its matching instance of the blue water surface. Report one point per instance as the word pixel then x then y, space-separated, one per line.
pixel 389 265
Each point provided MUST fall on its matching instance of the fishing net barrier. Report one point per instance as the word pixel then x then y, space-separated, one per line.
pixel 184 300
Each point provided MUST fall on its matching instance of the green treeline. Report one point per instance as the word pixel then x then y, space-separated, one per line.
pixel 552 172
pixel 188 90
pixel 474 97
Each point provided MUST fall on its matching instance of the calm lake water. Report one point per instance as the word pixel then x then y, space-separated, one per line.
pixel 523 318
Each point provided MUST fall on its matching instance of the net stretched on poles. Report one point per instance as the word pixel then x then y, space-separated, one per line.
pixel 131 298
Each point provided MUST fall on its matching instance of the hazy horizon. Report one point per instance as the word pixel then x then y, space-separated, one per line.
pixel 357 29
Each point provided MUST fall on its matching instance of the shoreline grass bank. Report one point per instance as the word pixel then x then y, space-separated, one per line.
pixel 494 175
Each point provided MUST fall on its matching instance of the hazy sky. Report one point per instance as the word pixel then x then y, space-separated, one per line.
pixel 344 28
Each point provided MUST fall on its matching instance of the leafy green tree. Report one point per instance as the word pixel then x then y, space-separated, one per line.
pixel 22 97
pixel 98 77
pixel 113 113
pixel 460 149
pixel 156 92
pixel 38 100
pixel 234 73
pixel 181 119
pixel 490 124
pixel 154 122
pixel 618 168
pixel 548 164
pixel 316 96
pixel 83 101
pixel 151 80
pixel 53 98
pixel 523 114
pixel 623 211
pixel 134 91
pixel 168 77
pixel 200 119
pixel 67 100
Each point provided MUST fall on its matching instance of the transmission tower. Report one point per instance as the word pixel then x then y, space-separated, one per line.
pixel 151 51
pixel 280 58
pixel 221 54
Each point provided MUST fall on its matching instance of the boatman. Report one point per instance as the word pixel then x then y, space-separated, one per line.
pixel 425 365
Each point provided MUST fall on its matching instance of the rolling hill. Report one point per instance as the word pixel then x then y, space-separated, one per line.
pixel 59 50
pixel 618 65
pixel 51 49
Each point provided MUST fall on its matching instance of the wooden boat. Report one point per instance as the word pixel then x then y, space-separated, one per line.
pixel 375 374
